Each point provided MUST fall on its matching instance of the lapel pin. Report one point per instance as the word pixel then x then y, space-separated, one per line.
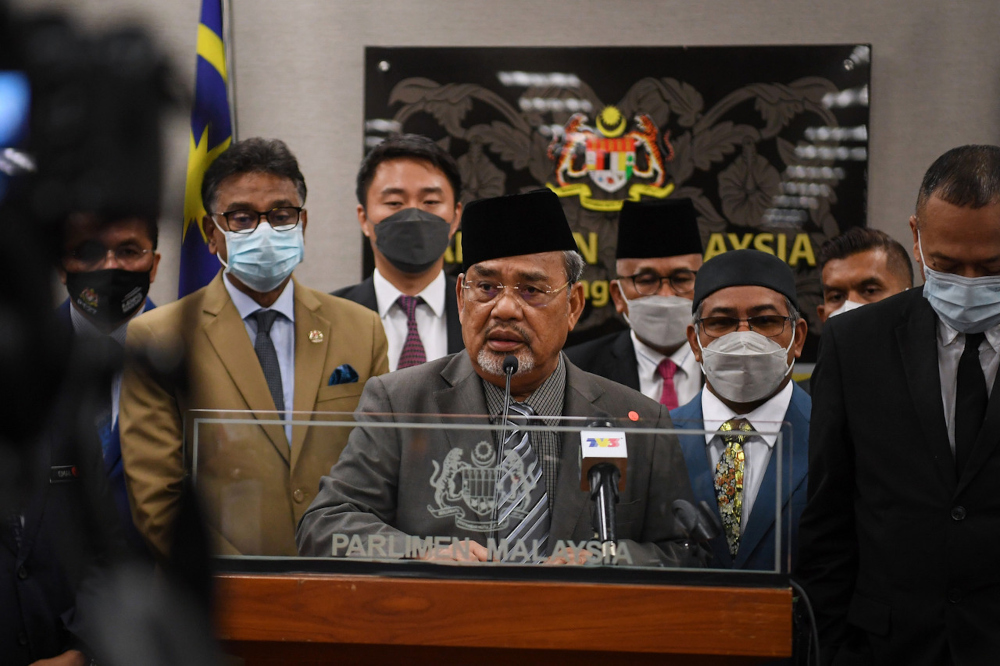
pixel 316 336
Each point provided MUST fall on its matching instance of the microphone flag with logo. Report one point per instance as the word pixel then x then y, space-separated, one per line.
pixel 211 134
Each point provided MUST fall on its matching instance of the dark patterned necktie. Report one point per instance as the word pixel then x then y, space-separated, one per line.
pixel 523 503
pixel 268 356
pixel 413 348
pixel 971 399
pixel 729 479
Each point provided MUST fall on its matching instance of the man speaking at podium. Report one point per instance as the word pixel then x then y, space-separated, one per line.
pixel 519 297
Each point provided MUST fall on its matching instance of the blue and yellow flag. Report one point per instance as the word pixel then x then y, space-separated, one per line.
pixel 211 133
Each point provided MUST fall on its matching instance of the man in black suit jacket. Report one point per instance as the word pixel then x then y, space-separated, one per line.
pixel 899 538
pixel 658 254
pixel 408 191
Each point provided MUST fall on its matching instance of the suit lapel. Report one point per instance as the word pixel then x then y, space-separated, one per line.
pixel 113 451
pixel 455 341
pixel 227 334
pixel 917 337
pixel 625 368
pixel 794 453
pixel 366 294
pixel 310 359
pixel 464 394
pixel 689 417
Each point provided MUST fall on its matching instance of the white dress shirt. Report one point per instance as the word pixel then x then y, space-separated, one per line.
pixel 687 378
pixel 950 345
pixel 432 324
pixel 756 449
pixel 83 326
pixel 282 335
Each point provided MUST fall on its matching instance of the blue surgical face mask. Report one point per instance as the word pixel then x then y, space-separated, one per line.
pixel 969 305
pixel 263 258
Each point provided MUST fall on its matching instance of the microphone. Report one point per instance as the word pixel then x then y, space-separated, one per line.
pixel 603 469
pixel 509 369
pixel 696 524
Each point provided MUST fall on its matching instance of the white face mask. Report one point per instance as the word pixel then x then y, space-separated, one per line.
pixel 264 258
pixel 745 366
pixel 846 307
pixel 660 321
pixel 968 305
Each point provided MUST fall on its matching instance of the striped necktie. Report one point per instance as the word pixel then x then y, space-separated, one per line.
pixel 523 503
pixel 729 479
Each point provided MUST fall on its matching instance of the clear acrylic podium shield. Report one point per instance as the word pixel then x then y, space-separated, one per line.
pixel 403 555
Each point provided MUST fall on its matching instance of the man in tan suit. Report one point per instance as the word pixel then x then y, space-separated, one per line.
pixel 253 339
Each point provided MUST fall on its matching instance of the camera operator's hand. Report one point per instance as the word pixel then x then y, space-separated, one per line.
pixel 67 658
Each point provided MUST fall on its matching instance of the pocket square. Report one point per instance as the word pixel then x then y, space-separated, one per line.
pixel 344 374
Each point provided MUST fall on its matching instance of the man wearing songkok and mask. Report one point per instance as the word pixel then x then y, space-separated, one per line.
pixel 658 254
pixel 519 296
pixel 746 334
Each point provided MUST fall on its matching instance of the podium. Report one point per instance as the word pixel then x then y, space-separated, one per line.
pixel 372 593
pixel 354 619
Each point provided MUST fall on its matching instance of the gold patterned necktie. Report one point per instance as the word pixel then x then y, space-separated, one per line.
pixel 729 479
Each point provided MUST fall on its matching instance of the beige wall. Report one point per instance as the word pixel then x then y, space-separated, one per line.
pixel 935 80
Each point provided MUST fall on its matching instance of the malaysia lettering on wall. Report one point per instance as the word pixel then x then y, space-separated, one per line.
pixel 770 142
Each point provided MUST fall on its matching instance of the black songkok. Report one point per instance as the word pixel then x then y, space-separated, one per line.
pixel 513 225
pixel 667 228
pixel 738 268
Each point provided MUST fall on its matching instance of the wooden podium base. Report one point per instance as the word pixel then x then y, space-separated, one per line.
pixel 322 619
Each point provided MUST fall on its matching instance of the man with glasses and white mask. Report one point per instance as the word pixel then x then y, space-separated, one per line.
pixel 658 255
pixel 252 339
pixel 902 529
pixel 746 334
pixel 518 297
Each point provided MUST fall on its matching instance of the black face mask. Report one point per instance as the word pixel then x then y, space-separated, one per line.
pixel 109 296
pixel 412 239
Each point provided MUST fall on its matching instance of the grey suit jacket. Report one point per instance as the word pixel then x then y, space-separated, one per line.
pixel 382 487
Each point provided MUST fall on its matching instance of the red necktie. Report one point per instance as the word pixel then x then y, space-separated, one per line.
pixel 668 397
pixel 413 349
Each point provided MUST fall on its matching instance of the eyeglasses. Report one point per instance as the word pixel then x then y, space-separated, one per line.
pixel 487 291
pixel 91 255
pixel 767 325
pixel 647 284
pixel 243 221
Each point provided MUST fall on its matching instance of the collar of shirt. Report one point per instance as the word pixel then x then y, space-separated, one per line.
pixel 83 326
pixel 768 416
pixel 246 306
pixel 547 400
pixel 947 336
pixel 649 359
pixel 386 294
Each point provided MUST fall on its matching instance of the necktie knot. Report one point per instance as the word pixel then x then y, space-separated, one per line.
pixel 265 320
pixel 973 341
pixel 520 414
pixel 409 305
pixel 736 431
pixel 666 369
